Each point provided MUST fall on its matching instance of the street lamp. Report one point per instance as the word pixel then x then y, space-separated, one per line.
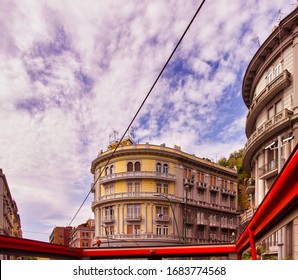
pixel 174 216
pixel 106 234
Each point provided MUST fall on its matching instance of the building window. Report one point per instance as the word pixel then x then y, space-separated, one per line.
pixel 213 197
pixel 133 229
pixel 85 234
pixel 212 180
pixel 270 112
pixel 213 234
pixel 85 244
pixel 270 75
pixel 225 200
pixel 162 188
pixel 224 235
pixel 108 230
pixel 133 166
pixel 109 213
pixel 277 69
pixel 129 167
pixel 158 167
pixel 278 106
pixel 109 170
pixel 133 187
pixel 162 230
pixel 109 189
pixel 201 232
pixel 133 210
pixel 201 194
pixel 165 168
pixel 162 212
pixel 232 202
pixel 224 183
pixel 137 166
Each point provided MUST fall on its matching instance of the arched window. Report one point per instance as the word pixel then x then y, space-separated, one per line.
pixel 107 171
pixel 137 166
pixel 158 167
pixel 129 166
pixel 112 169
pixel 165 168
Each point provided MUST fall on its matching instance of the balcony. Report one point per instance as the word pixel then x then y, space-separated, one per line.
pixel 226 225
pixel 201 185
pixel 202 221
pixel 214 224
pixel 108 219
pixel 250 187
pixel 188 181
pixel 225 191
pixel 247 215
pixel 270 169
pixel 264 132
pixel 137 175
pixel 281 82
pixel 134 218
pixel 162 218
pixel 214 188
pixel 132 195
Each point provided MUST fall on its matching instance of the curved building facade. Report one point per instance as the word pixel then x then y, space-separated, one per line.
pixel 149 193
pixel 270 92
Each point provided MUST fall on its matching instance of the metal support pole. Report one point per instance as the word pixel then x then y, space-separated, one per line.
pixel 252 245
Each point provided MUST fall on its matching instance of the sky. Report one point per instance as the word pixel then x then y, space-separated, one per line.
pixel 73 71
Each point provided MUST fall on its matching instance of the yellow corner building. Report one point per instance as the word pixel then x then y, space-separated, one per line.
pixel 154 195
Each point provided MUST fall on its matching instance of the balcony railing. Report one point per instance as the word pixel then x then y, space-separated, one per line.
pixel 108 219
pixel 133 217
pixel 153 195
pixel 201 185
pixel 267 127
pixel 247 215
pixel 162 218
pixel 270 168
pixel 137 175
pixel 279 83
pixel 202 221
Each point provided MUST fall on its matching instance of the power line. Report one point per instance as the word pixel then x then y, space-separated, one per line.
pixel 141 106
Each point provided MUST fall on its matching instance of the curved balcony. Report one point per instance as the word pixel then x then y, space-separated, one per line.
pixel 278 84
pixel 137 175
pixel 133 217
pixel 264 133
pixel 152 195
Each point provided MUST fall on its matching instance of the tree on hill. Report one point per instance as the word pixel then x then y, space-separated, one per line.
pixel 235 161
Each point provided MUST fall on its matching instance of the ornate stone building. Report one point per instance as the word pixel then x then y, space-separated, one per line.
pixel 270 92
pixel 10 221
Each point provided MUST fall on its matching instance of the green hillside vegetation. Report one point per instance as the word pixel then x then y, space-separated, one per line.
pixel 235 161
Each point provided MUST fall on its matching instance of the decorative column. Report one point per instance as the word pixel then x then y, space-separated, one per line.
pixel 150 218
pixel 261 187
pixel 122 219
pixel 145 218
pixel 116 229
pixel 97 221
